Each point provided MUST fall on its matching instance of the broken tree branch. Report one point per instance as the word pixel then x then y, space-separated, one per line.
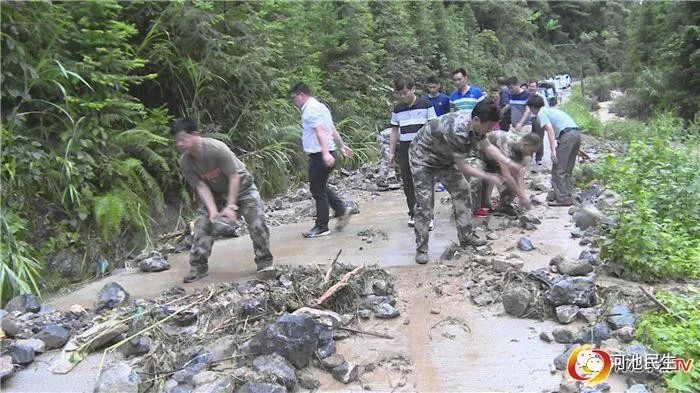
pixel 342 283
pixel 327 278
pixel 367 333
pixel 663 306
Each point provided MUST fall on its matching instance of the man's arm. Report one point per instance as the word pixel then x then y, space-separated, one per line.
pixel 393 140
pixel 495 154
pixel 552 142
pixel 505 109
pixel 234 182
pixel 323 142
pixel 207 197
pixel 469 170
pixel 523 119
pixel 346 150
pixel 508 167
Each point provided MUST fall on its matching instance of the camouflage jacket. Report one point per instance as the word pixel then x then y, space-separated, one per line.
pixel 445 141
pixel 506 142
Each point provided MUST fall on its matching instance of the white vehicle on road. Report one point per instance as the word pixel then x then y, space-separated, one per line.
pixel 563 81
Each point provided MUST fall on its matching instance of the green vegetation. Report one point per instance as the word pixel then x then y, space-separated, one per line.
pixel 658 234
pixel 579 108
pixel 90 88
pixel 668 335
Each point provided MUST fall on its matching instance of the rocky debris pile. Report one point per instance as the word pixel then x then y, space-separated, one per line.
pixel 260 334
pixel 29 329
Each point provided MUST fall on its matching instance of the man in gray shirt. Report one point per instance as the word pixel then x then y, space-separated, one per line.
pixel 319 140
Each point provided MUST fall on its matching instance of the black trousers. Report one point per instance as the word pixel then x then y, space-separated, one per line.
pixel 405 166
pixel 324 197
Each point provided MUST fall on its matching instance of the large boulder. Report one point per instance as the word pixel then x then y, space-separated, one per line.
pixel 621 316
pixel 588 216
pixel 154 263
pixel 570 267
pixel 54 336
pixel 517 301
pixel 23 303
pixel 118 378
pixel 579 291
pixel 292 336
pixel 261 387
pixel 277 367
pixel 110 296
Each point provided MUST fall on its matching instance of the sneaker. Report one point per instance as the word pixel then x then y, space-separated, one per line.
pixel 411 222
pixel 432 225
pixel 195 274
pixel 561 202
pixel 263 265
pixel 473 241
pixel 317 232
pixel 343 221
pixel 421 258
pixel 481 212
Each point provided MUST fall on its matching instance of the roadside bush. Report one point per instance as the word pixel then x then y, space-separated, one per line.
pixel 579 109
pixel 625 130
pixel 658 233
pixel 668 335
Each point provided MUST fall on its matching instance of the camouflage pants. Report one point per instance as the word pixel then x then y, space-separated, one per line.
pixel 250 206
pixel 456 185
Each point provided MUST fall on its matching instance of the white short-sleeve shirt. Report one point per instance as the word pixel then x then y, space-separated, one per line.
pixel 313 114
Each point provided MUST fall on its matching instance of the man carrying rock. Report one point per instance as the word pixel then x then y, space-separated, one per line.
pixel 227 190
pixel 440 149
pixel 518 149
pixel 563 128
pixel 409 115
pixel 319 140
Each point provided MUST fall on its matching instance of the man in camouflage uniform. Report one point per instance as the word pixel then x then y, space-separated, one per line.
pixel 227 190
pixel 440 150
pixel 516 148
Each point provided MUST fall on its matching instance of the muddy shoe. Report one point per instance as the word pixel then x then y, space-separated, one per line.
pixel 264 265
pixel 551 196
pixel 317 232
pixel 561 202
pixel 343 221
pixel 473 241
pixel 421 258
pixel 195 274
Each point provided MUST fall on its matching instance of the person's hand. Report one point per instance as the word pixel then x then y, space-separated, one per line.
pixel 495 180
pixel 328 159
pixel 515 167
pixel 347 152
pixel 518 127
pixel 554 157
pixel 527 204
pixel 229 213
pixel 392 160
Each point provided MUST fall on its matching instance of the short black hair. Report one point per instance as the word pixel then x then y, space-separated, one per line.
pixel 486 110
pixel 512 81
pixel 184 124
pixel 502 80
pixel 404 82
pixel 300 88
pixel 535 101
pixel 460 71
pixel 433 79
pixel 531 139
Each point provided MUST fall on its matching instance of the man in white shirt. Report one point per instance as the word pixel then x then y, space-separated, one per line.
pixel 319 140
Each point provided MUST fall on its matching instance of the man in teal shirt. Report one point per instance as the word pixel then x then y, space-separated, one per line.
pixel 562 128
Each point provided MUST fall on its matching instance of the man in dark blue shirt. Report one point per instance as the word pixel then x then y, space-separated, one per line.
pixel 437 98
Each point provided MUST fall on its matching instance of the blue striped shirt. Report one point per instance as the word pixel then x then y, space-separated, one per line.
pixel 468 100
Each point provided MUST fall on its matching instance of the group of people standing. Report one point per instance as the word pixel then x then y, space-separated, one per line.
pixel 454 139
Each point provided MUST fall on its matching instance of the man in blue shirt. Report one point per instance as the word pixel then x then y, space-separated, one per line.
pixel 563 128
pixel 519 111
pixel 439 100
pixel 465 96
